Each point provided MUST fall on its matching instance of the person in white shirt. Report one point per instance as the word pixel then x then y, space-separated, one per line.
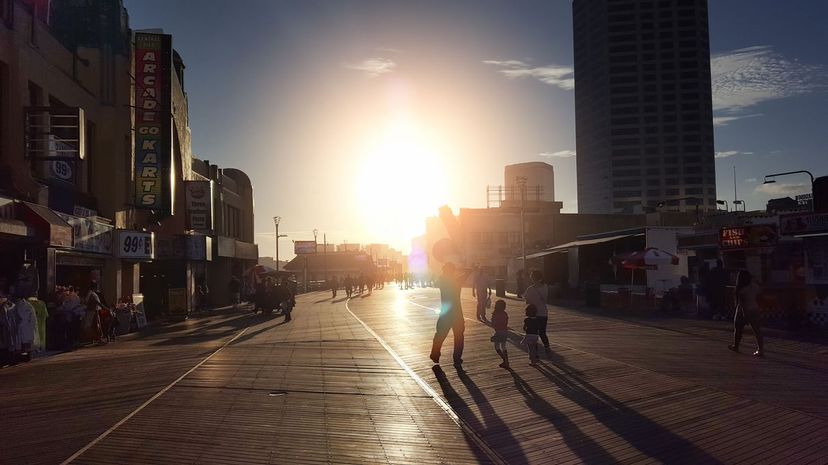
pixel 537 294
pixel 747 312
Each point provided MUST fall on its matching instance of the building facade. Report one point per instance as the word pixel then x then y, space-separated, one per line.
pixel 643 105
pixel 96 161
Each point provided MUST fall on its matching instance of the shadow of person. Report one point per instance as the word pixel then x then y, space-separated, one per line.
pixel 580 443
pixel 646 435
pixel 493 430
pixel 339 300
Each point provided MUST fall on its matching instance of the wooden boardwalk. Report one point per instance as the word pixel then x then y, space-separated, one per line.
pixel 326 389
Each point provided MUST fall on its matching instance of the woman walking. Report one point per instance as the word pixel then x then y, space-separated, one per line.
pixel 747 312
pixel 537 294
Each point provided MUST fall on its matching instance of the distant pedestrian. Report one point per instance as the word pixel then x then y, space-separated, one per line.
pixel 715 287
pixel 530 327
pixel 500 322
pixel 234 287
pixel 747 312
pixel 451 313
pixel 334 286
pixel 520 284
pixel 285 299
pixel 537 294
pixel 349 285
pixel 481 289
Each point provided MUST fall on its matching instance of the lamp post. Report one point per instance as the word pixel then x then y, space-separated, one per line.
pixel 315 246
pixel 521 182
pixel 769 179
pixel 276 220
pixel 736 204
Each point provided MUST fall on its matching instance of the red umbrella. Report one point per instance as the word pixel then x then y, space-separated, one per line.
pixel 649 259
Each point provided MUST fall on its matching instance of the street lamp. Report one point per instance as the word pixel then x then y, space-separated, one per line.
pixel 276 220
pixel 769 179
pixel 521 182
pixel 736 204
pixel 723 202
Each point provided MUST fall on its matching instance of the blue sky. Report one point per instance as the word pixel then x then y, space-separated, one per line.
pixel 291 93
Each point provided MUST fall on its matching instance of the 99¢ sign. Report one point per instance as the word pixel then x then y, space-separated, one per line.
pixel 135 244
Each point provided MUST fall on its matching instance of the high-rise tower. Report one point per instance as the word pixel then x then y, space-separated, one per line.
pixel 643 105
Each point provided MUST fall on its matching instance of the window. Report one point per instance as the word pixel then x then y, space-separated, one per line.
pixel 627 193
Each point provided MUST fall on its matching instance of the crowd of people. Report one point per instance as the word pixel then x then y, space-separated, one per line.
pixel 536 299
pixel 364 282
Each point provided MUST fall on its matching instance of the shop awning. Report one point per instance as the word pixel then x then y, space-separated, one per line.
pixel 600 240
pixel 56 231
pixel 15 228
pixel 543 253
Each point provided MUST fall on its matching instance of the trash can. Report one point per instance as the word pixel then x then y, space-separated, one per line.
pixel 500 287
pixel 592 293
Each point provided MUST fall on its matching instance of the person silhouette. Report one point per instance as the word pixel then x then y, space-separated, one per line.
pixel 451 313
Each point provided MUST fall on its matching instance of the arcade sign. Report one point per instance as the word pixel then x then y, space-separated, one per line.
pixel 154 182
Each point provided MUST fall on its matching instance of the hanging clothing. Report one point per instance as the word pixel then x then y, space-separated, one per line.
pixel 41 314
pixel 26 323
pixel 9 333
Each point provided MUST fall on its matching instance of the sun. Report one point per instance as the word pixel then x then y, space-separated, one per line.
pixel 401 182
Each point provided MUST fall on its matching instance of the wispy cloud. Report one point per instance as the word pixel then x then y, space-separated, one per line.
pixel 725 120
pixel 749 76
pixel 558 154
pixel 779 188
pixel 751 180
pixel 554 75
pixel 730 153
pixel 373 67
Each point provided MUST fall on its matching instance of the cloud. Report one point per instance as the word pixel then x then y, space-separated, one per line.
pixel 749 76
pixel 725 120
pixel 730 153
pixel 373 67
pixel 778 188
pixel 751 180
pixel 554 75
pixel 558 154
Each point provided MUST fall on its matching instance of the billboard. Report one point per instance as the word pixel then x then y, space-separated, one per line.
pixel 304 247
pixel 154 181
pixel 748 237
pixel 199 203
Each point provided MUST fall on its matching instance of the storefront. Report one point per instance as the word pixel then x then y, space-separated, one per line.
pixel 170 280
pixel 812 229
pixel 775 261
pixel 89 256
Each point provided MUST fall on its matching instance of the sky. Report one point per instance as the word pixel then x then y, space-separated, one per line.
pixel 360 118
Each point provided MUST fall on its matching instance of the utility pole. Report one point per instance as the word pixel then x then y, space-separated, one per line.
pixel 325 254
pixel 521 182
pixel 276 220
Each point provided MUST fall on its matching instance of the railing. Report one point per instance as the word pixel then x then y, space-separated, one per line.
pixel 55 133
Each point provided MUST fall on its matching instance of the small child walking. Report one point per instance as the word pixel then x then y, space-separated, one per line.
pixel 531 327
pixel 500 322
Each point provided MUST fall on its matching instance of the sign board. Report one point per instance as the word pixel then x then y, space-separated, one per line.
pixel 177 299
pixel 90 235
pixel 199 205
pixel 304 247
pixel 198 247
pixel 135 245
pixel 748 237
pixel 154 185
pixel 803 223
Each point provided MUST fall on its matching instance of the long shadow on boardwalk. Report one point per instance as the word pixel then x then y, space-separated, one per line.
pixel 490 428
pixel 646 435
pixel 581 444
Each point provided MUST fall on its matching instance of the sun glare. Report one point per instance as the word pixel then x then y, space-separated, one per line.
pixel 401 182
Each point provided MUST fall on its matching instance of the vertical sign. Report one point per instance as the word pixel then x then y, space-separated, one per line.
pixel 199 201
pixel 153 122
